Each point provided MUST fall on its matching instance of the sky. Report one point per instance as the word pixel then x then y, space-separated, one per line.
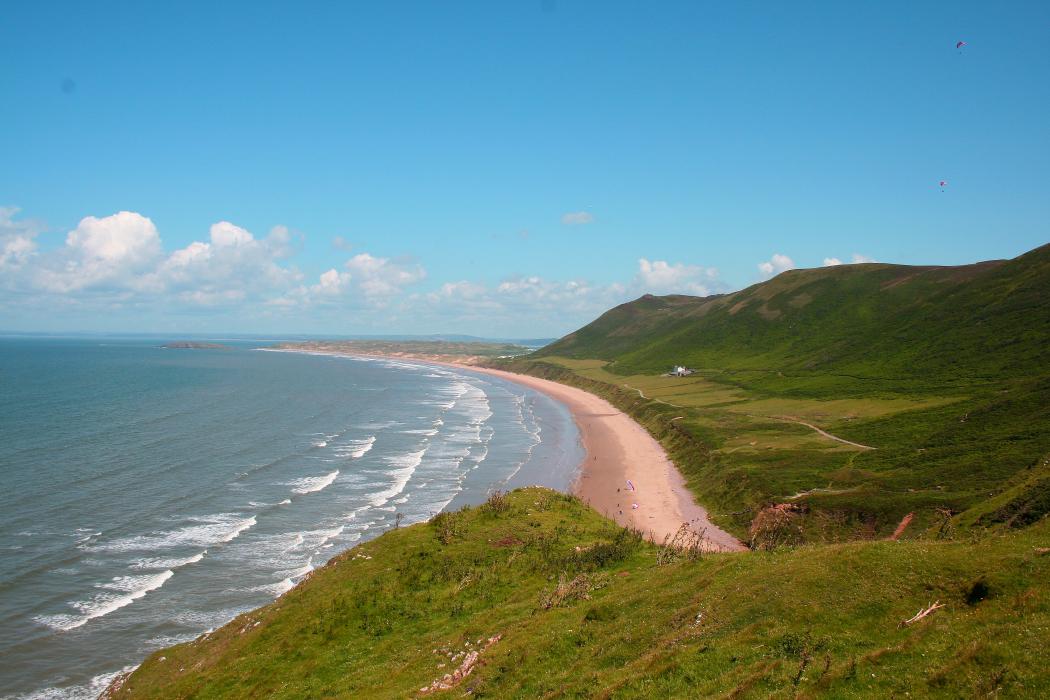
pixel 507 169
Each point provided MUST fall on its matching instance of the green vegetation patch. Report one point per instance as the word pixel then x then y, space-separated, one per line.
pixel 580 608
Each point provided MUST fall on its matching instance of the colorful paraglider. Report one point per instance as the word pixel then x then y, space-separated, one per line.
pixel 943 184
pixel 960 44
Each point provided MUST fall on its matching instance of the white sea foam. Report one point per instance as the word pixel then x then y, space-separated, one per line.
pixel 355 449
pixel 288 579
pixel 409 460
pixel 405 465
pixel 201 620
pixel 87 691
pixel 312 484
pixel 169 640
pixel 276 589
pixel 320 443
pixel 167 563
pixel 318 538
pixel 299 571
pixel 117 593
pixel 206 531
pixel 263 504
pixel 86 535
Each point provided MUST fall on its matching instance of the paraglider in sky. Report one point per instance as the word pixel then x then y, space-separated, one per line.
pixel 943 184
pixel 960 44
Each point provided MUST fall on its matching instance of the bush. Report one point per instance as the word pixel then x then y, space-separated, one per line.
pixel 603 554
pixel 448 526
pixel 497 504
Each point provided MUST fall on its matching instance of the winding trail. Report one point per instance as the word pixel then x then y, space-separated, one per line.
pixel 652 398
pixel 836 438
pixel 786 419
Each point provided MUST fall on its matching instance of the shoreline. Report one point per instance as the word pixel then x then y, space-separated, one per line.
pixel 619 453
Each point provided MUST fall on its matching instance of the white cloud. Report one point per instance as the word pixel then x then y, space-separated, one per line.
pixel 232 266
pixel 382 277
pixel 775 265
pixel 17 239
pixel 331 283
pixel 460 290
pixel 661 277
pixel 118 263
pixel 857 259
pixel 226 234
pixel 577 218
pixel 102 253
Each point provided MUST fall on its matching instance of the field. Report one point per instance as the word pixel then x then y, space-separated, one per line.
pixel 750 446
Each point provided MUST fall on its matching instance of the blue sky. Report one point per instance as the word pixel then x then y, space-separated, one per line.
pixel 507 168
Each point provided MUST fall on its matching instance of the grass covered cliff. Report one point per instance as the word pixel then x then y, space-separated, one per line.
pixel 579 608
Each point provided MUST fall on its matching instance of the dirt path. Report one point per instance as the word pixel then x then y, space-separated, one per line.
pixel 651 398
pixel 786 419
pixel 791 419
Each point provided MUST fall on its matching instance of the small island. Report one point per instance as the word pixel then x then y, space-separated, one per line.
pixel 193 345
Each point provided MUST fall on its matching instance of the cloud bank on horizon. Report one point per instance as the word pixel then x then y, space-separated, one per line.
pixel 238 281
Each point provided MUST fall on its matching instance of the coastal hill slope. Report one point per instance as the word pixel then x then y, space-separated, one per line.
pixel 871 320
pixel 854 396
pixel 535 595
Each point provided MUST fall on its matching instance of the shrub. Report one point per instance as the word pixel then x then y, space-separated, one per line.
pixel 448 526
pixel 578 588
pixel 603 554
pixel 497 504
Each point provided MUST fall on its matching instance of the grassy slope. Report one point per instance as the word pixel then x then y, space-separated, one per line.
pixel 726 625
pixel 945 370
pixel 871 322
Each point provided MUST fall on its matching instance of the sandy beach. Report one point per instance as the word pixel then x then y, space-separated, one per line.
pixel 626 474
pixel 619 454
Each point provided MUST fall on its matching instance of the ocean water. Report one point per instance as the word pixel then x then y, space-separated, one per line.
pixel 149 495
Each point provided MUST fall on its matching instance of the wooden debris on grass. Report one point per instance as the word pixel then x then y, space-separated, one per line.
pixel 775 526
pixel 470 660
pixel 904 523
pixel 933 607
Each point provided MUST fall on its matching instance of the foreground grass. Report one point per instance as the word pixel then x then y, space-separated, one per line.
pixel 381 619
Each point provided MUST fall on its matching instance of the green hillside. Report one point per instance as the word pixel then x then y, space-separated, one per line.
pixel 945 371
pixel 578 608
pixel 871 321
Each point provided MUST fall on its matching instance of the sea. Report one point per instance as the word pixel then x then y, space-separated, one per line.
pixel 151 494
